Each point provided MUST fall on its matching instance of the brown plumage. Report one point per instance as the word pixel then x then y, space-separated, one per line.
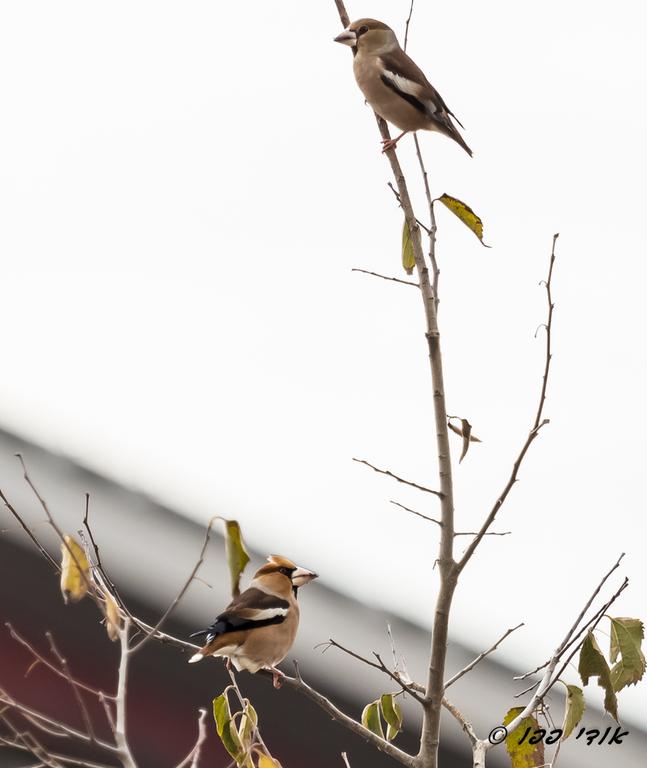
pixel 394 85
pixel 257 629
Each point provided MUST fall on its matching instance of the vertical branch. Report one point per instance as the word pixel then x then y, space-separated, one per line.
pixel 428 754
pixel 121 741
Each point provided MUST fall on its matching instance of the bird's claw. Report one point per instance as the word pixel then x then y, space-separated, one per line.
pixel 277 678
pixel 388 144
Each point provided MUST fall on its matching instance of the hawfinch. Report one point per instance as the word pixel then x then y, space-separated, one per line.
pixel 257 629
pixel 394 85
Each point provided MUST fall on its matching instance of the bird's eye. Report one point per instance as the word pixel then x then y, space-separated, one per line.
pixel 285 571
pixel 362 30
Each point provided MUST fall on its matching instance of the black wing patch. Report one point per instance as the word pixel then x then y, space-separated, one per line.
pixel 230 619
pixel 419 105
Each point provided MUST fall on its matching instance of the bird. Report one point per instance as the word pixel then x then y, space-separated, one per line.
pixel 394 85
pixel 256 630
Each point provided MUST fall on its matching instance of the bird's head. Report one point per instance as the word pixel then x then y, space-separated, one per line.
pixel 281 575
pixel 369 36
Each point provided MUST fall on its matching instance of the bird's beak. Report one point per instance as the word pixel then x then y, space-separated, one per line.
pixel 301 576
pixel 347 37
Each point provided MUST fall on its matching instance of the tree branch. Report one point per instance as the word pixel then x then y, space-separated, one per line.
pixel 388 473
pixel 480 657
pixel 534 431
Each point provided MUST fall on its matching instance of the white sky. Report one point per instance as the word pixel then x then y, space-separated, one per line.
pixel 184 190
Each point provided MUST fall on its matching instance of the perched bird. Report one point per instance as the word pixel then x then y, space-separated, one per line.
pixel 257 629
pixel 394 85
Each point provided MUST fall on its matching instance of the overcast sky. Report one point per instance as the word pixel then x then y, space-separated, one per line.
pixel 184 190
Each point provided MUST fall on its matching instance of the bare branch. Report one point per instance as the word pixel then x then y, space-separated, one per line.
pixel 298 684
pixel 29 533
pixel 406 28
pixel 480 657
pixel 87 720
pixel 534 431
pixel 413 512
pixel 43 660
pixel 406 686
pixel 464 723
pixel 398 478
pixel 121 740
pixel 384 277
pixel 192 759
pixel 181 593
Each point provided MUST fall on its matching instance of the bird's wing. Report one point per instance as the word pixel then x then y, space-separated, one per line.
pixel 250 610
pixel 402 75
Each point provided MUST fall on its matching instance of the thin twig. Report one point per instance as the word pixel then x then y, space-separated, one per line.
pixel 87 720
pixel 398 198
pixel 44 660
pixel 398 478
pixel 431 232
pixel 480 657
pixel 29 533
pixel 534 431
pixel 406 28
pixel 193 757
pixel 182 591
pixel 298 684
pixel 384 277
pixel 419 514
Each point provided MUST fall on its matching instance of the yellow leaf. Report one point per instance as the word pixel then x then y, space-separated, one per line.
pixel 465 214
pixel 265 761
pixel 408 257
pixel 75 571
pixel 113 617
pixel 524 755
pixel 237 557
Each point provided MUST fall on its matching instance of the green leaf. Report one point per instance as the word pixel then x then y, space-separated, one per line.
pixel 226 727
pixel 237 557
pixel 371 718
pixel 408 257
pixel 465 214
pixel 593 664
pixel 574 709
pixel 392 714
pixel 626 638
pixel 523 755
pixel 248 724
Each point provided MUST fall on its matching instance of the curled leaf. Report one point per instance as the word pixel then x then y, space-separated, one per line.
pixel 593 664
pixel 113 617
pixel 247 726
pixel 408 256
pixel 75 571
pixel 626 638
pixel 465 214
pixel 524 755
pixel 371 718
pixel 464 431
pixel 392 714
pixel 226 727
pixel 574 709
pixel 237 557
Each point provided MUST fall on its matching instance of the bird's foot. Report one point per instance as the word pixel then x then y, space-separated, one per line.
pixel 388 144
pixel 277 677
pixel 228 663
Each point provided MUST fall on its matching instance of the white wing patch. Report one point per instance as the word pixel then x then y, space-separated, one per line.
pixel 405 85
pixel 268 613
